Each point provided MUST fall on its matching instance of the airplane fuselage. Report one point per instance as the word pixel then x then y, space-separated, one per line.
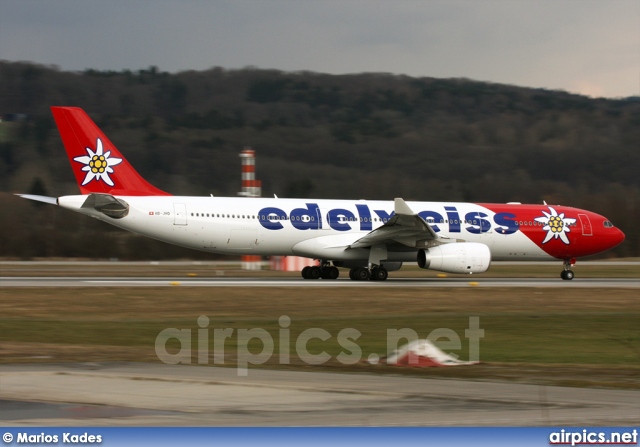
pixel 324 228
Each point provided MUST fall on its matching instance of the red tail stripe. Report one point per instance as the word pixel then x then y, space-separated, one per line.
pixel 89 152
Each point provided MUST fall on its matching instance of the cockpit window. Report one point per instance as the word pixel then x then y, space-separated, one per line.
pixel 608 224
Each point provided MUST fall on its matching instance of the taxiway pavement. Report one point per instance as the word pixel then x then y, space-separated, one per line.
pixel 299 282
pixel 158 394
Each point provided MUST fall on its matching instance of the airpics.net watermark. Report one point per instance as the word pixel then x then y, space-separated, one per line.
pixel 174 346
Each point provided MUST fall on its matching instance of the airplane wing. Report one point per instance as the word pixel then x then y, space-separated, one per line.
pixel 405 228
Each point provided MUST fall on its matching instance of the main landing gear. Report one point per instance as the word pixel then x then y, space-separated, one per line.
pixel 567 273
pixel 316 272
pixel 327 271
pixel 363 274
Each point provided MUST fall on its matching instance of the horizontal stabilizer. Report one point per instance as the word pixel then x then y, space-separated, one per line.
pixel 45 199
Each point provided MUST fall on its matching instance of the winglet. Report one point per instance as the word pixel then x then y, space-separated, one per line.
pixel 401 207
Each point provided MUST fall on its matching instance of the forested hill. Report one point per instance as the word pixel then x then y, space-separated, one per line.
pixel 373 136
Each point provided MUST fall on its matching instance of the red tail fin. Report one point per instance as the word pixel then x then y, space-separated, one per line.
pixel 97 164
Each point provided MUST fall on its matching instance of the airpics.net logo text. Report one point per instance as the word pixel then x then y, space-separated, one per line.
pixel 256 346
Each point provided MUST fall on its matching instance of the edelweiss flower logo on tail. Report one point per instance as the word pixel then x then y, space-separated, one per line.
pixel 556 225
pixel 98 165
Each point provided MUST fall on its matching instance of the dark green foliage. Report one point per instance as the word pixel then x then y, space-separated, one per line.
pixel 213 119
pixel 267 90
pixel 37 187
pixel 7 157
pixel 300 189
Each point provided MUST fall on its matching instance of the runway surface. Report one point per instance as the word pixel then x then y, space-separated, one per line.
pixel 157 394
pixel 299 282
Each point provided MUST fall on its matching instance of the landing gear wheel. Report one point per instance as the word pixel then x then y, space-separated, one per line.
pixel 379 274
pixel 305 272
pixel 362 274
pixel 330 273
pixel 359 274
pixel 314 272
pixel 567 275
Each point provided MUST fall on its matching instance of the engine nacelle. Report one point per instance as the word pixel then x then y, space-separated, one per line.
pixel 460 257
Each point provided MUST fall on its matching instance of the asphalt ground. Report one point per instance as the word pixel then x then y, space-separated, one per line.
pixel 153 395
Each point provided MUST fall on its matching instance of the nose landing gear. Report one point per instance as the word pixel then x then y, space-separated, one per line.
pixel 567 274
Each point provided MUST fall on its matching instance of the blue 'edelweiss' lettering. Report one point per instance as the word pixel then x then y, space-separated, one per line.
pixel 505 220
pixel 306 218
pixel 340 219
pixel 478 224
pixel 269 218
pixel 365 218
pixel 454 219
pixel 382 214
pixel 432 218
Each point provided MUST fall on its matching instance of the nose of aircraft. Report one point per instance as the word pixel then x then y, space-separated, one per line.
pixel 606 237
pixel 617 237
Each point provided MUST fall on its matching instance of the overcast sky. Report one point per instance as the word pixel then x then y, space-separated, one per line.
pixel 581 46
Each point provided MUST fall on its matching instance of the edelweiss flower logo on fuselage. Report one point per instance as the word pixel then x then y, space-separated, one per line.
pixel 556 225
pixel 98 165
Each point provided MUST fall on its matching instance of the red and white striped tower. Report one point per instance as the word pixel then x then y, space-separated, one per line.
pixel 250 188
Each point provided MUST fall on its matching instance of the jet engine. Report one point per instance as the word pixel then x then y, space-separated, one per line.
pixel 460 257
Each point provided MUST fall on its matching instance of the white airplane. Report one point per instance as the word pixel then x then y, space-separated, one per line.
pixel 370 238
